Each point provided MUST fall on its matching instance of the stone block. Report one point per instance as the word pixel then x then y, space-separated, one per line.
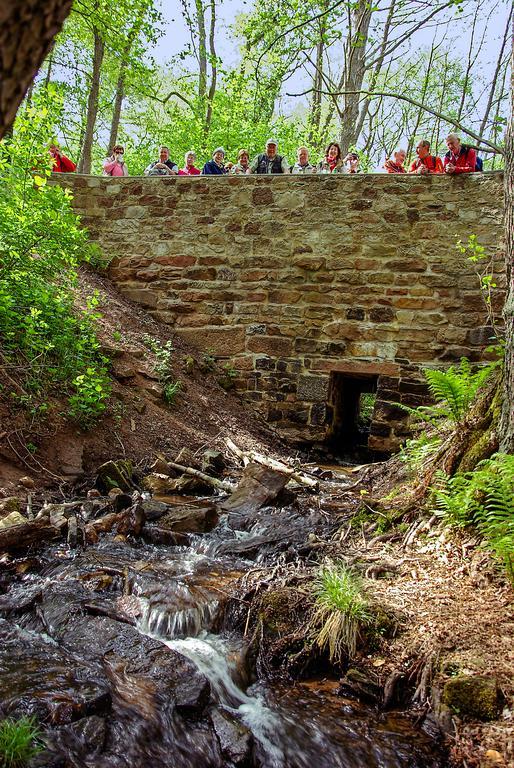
pixel 276 346
pixel 313 388
pixel 224 341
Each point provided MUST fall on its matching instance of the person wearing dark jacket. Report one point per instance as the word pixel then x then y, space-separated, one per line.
pixel 271 162
pixel 216 166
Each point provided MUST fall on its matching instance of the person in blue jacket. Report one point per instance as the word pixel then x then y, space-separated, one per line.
pixel 216 166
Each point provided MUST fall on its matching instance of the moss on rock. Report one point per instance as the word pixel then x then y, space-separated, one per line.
pixel 473 696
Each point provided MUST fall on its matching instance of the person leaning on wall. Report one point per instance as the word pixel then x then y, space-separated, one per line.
pixel 302 164
pixel 189 168
pixel 60 163
pixel 115 164
pixel 216 166
pixel 396 163
pixel 459 158
pixel 270 161
pixel 332 162
pixel 425 163
pixel 163 166
pixel 243 163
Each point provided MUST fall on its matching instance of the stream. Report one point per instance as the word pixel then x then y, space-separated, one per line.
pixel 123 651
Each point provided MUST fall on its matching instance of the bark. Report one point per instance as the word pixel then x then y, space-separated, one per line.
pixel 27 31
pixel 354 71
pixel 118 100
pixel 202 51
pixel 31 533
pixel 507 419
pixel 92 105
pixel 214 70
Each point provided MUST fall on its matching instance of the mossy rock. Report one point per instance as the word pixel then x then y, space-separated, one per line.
pixel 473 696
pixel 278 611
pixel 115 474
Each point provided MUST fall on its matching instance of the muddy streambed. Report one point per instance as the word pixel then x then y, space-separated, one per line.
pixel 125 653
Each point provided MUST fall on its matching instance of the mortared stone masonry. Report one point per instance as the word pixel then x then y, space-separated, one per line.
pixel 307 285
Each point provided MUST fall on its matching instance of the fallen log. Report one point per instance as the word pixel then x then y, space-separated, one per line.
pixel 31 533
pixel 221 484
pixel 274 464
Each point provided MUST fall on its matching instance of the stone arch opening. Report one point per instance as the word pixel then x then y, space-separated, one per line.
pixel 351 405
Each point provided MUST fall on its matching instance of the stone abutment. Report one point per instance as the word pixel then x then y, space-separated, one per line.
pixel 314 289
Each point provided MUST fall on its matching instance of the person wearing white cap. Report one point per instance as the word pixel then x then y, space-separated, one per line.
pixel 271 161
pixel 216 166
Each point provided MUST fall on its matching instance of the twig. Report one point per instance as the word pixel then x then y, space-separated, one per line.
pixel 223 484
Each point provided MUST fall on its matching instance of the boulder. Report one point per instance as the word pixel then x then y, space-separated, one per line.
pixel 258 487
pixel 154 509
pixel 235 739
pixel 190 518
pixel 475 696
pixel 12 518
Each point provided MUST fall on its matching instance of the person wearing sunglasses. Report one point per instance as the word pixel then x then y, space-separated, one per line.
pixel 115 164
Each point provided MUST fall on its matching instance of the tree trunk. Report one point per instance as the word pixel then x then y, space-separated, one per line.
pixel 214 72
pixel 202 52
pixel 118 100
pixel 27 31
pixel 507 419
pixel 354 71
pixel 92 105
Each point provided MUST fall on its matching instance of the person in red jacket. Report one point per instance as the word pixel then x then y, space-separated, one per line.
pixel 425 162
pixel 396 164
pixel 459 158
pixel 61 163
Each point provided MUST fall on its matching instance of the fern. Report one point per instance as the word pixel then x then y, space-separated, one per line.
pixel 484 498
pixel 455 388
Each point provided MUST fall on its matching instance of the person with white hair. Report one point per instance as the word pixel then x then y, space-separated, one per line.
pixel 164 166
pixel 189 168
pixel 270 161
pixel 216 166
pixel 302 164
pixel 459 158
pixel 396 163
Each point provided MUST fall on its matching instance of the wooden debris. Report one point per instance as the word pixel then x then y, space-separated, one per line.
pixel 277 466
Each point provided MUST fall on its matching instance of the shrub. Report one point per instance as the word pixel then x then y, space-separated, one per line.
pixel 18 742
pixel 47 344
pixel 484 498
pixel 341 611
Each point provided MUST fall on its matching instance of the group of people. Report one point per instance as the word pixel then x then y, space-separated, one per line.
pixel 459 159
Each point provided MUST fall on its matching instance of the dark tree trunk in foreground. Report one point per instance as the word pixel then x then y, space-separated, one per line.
pixel 507 420
pixel 27 31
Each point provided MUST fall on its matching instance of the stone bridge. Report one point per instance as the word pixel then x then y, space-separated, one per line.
pixel 314 289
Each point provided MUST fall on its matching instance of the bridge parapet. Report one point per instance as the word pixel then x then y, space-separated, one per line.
pixel 315 289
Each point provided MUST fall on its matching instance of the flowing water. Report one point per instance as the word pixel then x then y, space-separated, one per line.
pixel 175 595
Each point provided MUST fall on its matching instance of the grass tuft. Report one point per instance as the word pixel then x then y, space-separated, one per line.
pixel 18 742
pixel 341 612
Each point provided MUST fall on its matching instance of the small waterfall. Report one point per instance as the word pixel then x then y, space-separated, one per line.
pixel 161 623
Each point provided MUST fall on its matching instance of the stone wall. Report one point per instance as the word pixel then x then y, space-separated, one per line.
pixel 306 285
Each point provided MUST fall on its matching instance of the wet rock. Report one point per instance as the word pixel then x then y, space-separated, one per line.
pixel 41 679
pixel 85 737
pixel 213 463
pixel 115 474
pixel 172 675
pixel 154 509
pixel 235 739
pixel 131 521
pixel 473 696
pixel 258 487
pixel 13 518
pixel 72 536
pixel 198 518
pixel 153 534
pixel 359 685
